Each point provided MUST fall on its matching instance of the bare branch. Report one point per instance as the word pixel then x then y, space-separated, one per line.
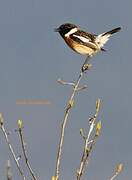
pixel 62 82
pixel 81 88
pixel 66 114
pixel 10 146
pixel 89 143
pixel 20 127
pixel 65 83
pixel 118 170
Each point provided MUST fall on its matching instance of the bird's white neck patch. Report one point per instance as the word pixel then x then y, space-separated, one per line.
pixel 71 32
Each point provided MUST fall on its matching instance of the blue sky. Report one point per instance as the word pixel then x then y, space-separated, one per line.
pixel 33 57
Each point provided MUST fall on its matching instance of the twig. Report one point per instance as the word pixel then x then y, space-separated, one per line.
pixel 118 170
pixel 65 83
pixel 81 88
pixel 62 82
pixel 70 104
pixel 8 170
pixel 10 147
pixel 114 176
pixel 20 126
pixel 88 146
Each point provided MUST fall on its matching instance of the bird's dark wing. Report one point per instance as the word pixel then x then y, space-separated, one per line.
pixel 87 35
pixel 84 38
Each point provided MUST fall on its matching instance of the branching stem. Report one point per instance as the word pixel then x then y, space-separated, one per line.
pixel 12 151
pixel 66 114
pixel 25 154
pixel 89 146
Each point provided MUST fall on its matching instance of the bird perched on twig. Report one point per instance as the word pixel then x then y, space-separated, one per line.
pixel 82 42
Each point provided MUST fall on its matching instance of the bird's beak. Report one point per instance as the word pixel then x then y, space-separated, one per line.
pixel 56 30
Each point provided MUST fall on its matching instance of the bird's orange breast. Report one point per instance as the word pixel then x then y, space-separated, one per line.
pixel 79 48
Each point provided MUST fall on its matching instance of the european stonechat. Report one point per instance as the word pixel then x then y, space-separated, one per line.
pixel 84 42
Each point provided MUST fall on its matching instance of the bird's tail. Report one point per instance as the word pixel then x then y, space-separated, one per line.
pixel 101 39
pixel 112 31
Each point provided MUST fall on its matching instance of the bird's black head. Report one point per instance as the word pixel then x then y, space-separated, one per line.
pixel 65 28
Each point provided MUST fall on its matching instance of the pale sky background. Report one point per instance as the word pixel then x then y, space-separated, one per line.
pixel 33 57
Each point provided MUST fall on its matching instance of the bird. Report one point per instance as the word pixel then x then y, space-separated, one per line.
pixel 82 42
